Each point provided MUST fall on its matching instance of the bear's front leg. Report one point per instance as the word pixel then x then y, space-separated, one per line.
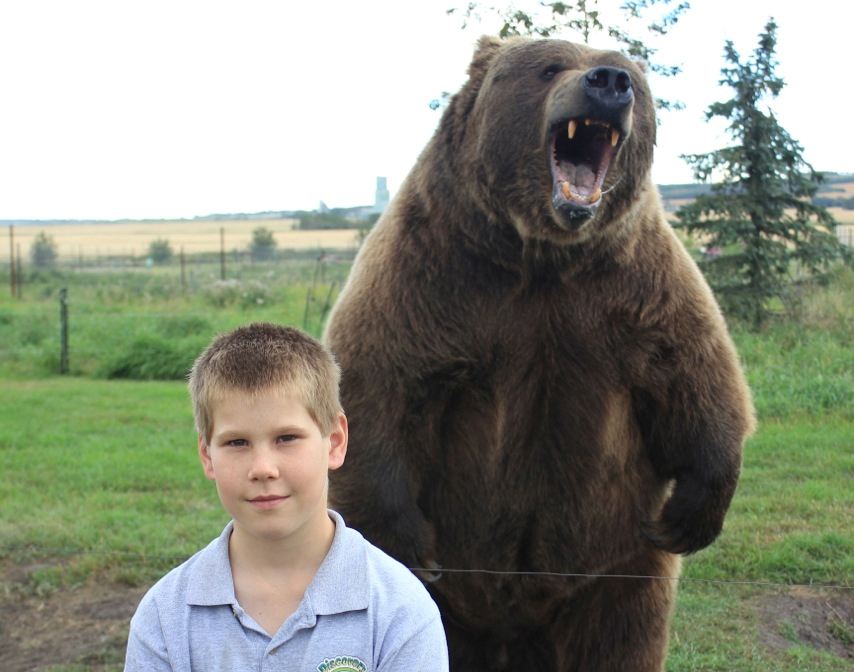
pixel 694 431
pixel 694 514
pixel 376 493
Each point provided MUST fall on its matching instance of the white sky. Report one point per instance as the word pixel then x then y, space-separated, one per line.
pixel 117 109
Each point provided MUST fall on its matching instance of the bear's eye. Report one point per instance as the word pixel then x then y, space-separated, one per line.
pixel 550 71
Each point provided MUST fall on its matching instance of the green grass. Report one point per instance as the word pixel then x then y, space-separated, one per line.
pixel 791 522
pixel 799 371
pixel 792 519
pixel 104 473
pixel 101 477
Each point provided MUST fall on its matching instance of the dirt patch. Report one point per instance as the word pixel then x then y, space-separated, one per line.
pixel 818 620
pixel 85 626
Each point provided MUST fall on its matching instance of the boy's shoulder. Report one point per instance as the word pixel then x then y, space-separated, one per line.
pixel 360 568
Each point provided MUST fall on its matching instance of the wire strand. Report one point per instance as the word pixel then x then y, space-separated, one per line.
pixel 438 571
pixel 580 575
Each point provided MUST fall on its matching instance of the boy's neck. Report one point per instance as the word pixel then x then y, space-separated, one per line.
pixel 300 551
pixel 271 576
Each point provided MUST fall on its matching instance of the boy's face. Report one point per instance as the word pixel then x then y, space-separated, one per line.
pixel 270 464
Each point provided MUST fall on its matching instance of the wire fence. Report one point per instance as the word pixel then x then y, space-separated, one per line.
pixel 64 319
pixel 435 574
pixel 196 251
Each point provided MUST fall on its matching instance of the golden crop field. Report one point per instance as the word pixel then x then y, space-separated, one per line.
pixel 843 217
pixel 845 190
pixel 132 238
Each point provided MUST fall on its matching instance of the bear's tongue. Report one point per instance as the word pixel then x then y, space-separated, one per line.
pixel 580 182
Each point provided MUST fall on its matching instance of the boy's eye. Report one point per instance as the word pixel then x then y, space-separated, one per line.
pixel 236 442
pixel 285 438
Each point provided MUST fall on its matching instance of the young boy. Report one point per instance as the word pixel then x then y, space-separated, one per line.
pixel 286 586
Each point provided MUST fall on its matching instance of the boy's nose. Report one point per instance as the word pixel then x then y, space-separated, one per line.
pixel 263 465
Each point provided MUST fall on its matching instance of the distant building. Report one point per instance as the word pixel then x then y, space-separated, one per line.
pixel 381 198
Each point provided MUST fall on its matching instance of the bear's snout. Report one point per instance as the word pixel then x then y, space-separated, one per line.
pixel 608 88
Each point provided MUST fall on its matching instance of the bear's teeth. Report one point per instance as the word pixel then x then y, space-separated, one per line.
pixel 573 125
pixel 569 194
pixel 615 137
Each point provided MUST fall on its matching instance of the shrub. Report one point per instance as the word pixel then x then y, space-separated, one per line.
pixel 182 326
pixel 160 251
pixel 43 251
pixel 246 293
pixel 263 244
pixel 154 358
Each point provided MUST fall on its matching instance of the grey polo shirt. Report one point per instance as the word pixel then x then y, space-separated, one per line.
pixel 363 612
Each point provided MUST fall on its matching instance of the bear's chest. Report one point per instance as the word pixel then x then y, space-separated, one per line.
pixel 541 367
pixel 555 338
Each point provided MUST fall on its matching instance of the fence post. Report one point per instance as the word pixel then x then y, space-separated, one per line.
pixel 309 295
pixel 12 271
pixel 183 270
pixel 19 274
pixel 222 253
pixel 63 330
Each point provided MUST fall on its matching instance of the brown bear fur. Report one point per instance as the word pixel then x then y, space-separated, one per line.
pixel 538 382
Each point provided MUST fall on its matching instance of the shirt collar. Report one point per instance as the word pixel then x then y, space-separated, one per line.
pixel 210 582
pixel 341 582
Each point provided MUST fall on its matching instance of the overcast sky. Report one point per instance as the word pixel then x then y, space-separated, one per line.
pixel 118 109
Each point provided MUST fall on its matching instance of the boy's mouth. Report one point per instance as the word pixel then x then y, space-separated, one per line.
pixel 267 501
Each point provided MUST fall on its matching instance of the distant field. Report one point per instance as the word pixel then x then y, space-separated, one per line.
pixel 194 236
pixel 846 190
pixel 844 217
pixel 132 238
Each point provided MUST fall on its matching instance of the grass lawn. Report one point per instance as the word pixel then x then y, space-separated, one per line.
pixel 102 467
pixel 105 474
pixel 102 488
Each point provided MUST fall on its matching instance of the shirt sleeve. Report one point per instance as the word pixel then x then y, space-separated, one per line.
pixel 424 651
pixel 146 650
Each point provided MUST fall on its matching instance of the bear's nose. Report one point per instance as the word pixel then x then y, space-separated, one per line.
pixel 609 87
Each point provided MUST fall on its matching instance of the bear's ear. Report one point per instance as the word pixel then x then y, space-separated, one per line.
pixel 487 47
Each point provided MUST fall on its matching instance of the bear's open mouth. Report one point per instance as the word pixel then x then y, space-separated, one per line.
pixel 581 153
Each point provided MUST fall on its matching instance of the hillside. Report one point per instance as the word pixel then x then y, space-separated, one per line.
pixel 836 192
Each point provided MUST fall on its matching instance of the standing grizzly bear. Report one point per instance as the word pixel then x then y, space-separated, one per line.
pixel 537 377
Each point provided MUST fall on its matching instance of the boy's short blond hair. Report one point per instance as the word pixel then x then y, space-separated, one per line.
pixel 260 357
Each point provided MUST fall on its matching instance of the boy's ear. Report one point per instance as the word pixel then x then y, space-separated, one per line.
pixel 205 455
pixel 338 442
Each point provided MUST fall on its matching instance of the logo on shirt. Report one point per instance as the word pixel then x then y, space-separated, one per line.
pixel 342 664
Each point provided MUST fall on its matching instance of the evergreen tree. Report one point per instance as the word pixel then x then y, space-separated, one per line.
pixel 758 212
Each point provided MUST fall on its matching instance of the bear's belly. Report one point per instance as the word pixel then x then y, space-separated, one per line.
pixel 550 479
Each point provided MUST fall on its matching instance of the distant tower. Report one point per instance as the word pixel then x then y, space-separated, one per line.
pixel 381 198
